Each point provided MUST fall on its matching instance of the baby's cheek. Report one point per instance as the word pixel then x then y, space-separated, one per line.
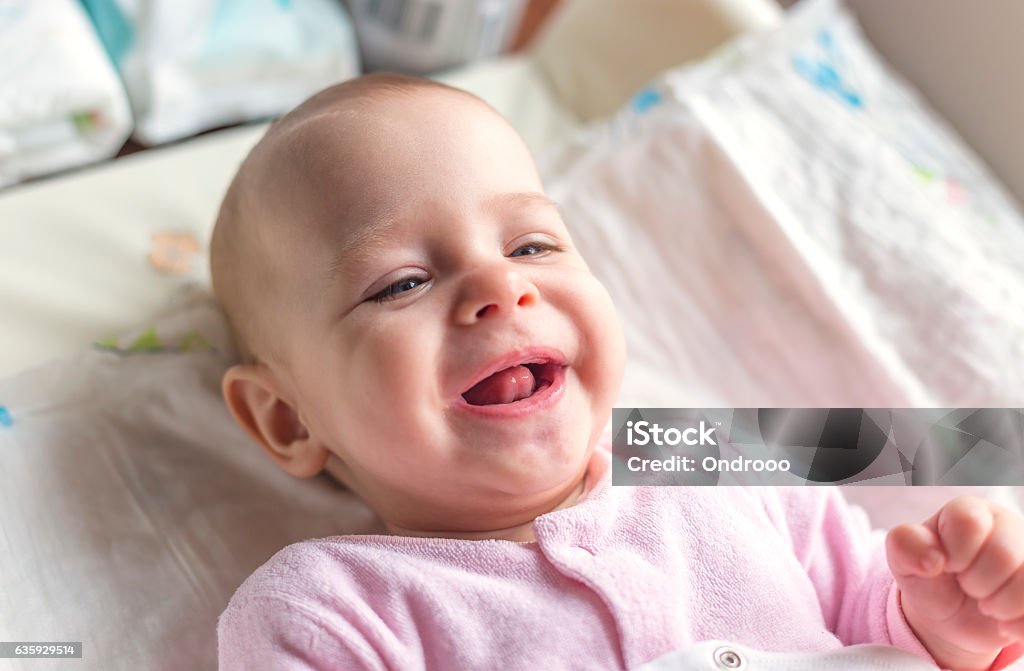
pixel 398 374
pixel 611 345
pixel 603 353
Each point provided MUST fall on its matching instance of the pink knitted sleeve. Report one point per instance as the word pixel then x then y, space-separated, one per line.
pixel 845 561
pixel 265 632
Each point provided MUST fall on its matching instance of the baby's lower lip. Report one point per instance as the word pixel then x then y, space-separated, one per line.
pixel 538 401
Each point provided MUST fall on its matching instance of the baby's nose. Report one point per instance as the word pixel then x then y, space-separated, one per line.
pixel 486 295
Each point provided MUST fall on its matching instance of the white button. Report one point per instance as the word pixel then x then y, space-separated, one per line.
pixel 727 658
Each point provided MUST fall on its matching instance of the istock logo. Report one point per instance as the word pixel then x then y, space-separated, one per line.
pixel 651 433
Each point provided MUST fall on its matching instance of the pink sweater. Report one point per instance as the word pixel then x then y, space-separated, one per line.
pixel 621 578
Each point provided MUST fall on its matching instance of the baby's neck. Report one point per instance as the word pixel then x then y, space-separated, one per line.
pixel 522 533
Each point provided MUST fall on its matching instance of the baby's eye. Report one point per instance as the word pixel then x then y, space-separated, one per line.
pixel 392 290
pixel 536 249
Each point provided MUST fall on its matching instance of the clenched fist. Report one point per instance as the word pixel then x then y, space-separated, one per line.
pixel 961 581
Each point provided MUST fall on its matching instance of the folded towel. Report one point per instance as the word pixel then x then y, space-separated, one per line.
pixel 191 65
pixel 61 104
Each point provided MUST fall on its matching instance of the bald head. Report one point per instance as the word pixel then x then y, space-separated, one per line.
pixel 290 177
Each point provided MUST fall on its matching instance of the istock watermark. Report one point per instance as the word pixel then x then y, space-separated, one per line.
pixel 812 446
pixel 646 432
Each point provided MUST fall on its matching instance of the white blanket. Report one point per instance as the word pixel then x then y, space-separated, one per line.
pixel 787 225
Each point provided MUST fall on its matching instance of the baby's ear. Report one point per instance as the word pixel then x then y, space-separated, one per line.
pixel 254 398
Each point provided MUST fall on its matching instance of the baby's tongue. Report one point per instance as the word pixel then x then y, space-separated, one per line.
pixel 505 386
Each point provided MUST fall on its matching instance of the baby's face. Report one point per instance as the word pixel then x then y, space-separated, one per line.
pixel 444 339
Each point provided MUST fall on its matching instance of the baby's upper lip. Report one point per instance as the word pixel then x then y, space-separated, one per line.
pixel 517 357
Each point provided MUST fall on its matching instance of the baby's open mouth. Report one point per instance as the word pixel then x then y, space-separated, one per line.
pixel 511 384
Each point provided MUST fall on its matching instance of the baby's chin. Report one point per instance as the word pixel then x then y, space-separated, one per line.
pixel 545 468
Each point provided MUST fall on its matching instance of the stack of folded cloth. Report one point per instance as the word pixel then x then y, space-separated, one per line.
pixel 61 103
pixel 80 76
pixel 192 65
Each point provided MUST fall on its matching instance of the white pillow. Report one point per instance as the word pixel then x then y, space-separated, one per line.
pixel 132 506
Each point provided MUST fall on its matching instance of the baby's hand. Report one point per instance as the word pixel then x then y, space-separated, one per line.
pixel 961 580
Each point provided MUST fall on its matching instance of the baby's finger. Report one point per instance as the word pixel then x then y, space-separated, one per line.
pixel 999 558
pixel 923 585
pixel 963 526
pixel 913 550
pixel 1007 603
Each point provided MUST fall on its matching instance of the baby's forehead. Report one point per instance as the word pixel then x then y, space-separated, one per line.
pixel 333 145
pixel 337 166
pixel 309 169
pixel 340 161
pixel 325 124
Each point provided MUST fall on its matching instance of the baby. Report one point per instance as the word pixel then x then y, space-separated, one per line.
pixel 413 317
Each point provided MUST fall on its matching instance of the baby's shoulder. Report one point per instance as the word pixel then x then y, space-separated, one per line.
pixel 308 588
pixel 363 564
pixel 299 567
pixel 353 577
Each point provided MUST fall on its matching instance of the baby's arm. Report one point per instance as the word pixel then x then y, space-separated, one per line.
pixel 961 581
pixel 844 561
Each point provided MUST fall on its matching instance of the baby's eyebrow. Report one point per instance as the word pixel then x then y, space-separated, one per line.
pixel 364 243
pixel 523 199
pixel 361 246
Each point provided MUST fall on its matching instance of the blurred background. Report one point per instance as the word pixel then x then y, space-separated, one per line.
pixel 86 80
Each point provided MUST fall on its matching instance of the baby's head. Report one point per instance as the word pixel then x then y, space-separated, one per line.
pixel 409 305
